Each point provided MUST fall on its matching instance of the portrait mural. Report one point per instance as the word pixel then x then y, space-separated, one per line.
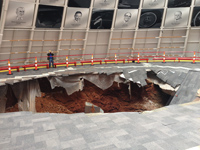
pixel 77 18
pixel 20 14
pixel 126 18
pixel 177 17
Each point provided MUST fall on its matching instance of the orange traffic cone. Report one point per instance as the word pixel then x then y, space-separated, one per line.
pixel 9 68
pixel 194 58
pixel 164 57
pixel 67 63
pixel 92 60
pixel 36 64
pixel 138 60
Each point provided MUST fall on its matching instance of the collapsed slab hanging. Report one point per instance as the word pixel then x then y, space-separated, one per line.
pixel 25 92
pixel 75 83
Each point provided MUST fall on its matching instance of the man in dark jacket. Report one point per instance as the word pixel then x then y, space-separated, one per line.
pixel 50 58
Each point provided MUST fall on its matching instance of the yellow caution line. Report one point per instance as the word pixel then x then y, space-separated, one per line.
pixel 29 68
pixel 162 61
pixel 79 64
pixel 113 62
pixel 22 69
pixel 7 70
pixel 189 60
pixel 68 65
pixel 173 61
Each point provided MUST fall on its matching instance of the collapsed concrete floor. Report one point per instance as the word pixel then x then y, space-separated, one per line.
pixel 175 78
pixel 114 99
pixel 174 127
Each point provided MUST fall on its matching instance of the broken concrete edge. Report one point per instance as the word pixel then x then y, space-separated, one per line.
pixel 166 107
pixel 166 88
pixel 58 80
pixel 52 74
pixel 25 93
pixel 66 72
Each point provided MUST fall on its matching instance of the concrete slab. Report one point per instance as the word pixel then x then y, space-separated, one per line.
pixel 176 127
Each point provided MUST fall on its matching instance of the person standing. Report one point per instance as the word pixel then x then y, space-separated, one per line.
pixel 50 58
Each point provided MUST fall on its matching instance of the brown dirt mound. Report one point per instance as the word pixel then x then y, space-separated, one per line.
pixel 13 108
pixel 114 99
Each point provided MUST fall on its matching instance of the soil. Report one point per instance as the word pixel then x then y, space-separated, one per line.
pixel 11 104
pixel 114 99
pixel 12 108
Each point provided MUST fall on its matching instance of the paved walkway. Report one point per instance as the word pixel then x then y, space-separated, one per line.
pixel 188 89
pixel 176 127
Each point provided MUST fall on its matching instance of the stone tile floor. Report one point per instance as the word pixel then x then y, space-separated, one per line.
pixel 175 127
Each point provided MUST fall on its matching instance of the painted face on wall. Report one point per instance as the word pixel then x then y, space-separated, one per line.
pixel 20 11
pixel 177 15
pixel 77 16
pixel 127 16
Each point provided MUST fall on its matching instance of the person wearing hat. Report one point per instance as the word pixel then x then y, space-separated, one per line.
pixel 50 58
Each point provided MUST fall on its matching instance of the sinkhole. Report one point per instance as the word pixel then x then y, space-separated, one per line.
pixel 123 96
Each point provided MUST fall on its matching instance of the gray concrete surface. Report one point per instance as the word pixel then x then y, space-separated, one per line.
pixel 188 89
pixel 176 127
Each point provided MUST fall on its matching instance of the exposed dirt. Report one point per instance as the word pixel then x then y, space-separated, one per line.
pixel 12 108
pixel 11 104
pixel 114 99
